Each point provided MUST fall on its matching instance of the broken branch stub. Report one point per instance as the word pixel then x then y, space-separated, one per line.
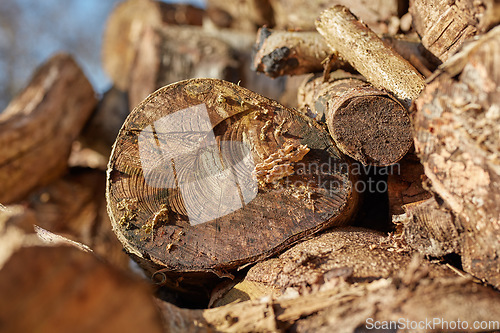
pixel 369 55
pixel 206 176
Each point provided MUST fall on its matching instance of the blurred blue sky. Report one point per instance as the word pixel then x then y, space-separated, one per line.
pixel 32 30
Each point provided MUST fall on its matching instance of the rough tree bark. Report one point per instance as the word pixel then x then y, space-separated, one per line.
pixel 458 140
pixel 40 124
pixel 60 287
pixel 354 255
pixel 366 123
pixel 444 26
pixel 368 54
pixel 340 308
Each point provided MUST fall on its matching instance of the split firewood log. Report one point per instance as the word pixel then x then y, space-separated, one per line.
pixel 369 55
pixel 74 207
pixel 444 26
pixel 366 123
pixel 206 177
pixel 173 54
pixel 39 126
pixel 457 137
pixel 122 36
pixel 101 129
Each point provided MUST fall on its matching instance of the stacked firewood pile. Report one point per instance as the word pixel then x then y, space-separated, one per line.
pixel 400 100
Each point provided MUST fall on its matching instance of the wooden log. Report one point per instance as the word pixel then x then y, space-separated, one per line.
pixel 405 183
pixel 445 26
pixel 177 53
pixel 174 54
pixel 181 14
pixel 124 30
pixel 101 129
pixel 122 36
pixel 412 50
pixel 366 123
pixel 297 52
pixel 409 301
pixel 299 15
pixel 457 138
pixel 350 254
pixel 430 228
pixel 246 15
pixel 368 54
pixel 74 207
pixel 38 127
pixel 169 211
pixel 291 53
pixel 241 43
pixel 63 289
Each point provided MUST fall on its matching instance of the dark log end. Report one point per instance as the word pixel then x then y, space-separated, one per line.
pixel 374 130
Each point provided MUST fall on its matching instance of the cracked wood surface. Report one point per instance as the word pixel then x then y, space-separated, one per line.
pixel 445 25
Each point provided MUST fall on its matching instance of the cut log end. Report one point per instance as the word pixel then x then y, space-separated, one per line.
pixel 366 123
pixel 183 185
pixel 374 129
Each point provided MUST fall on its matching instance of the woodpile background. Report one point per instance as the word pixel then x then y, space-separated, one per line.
pixel 410 95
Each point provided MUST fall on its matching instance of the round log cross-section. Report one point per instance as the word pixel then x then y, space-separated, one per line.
pixel 366 123
pixel 206 176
